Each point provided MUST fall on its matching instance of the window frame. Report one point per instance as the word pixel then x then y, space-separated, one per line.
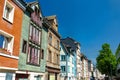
pixel 58 59
pixel 25 46
pixel 50 39
pixel 63 58
pixel 49 56
pixel 42 54
pixel 58 44
pixel 11 14
pixel 35 34
pixel 63 70
pixel 11 42
pixel 31 56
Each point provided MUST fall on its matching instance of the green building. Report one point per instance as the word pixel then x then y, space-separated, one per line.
pixel 33 48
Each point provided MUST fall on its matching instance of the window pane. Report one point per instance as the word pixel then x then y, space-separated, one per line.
pixel 32 56
pixel 1 41
pixel 24 46
pixel 6 43
pixel 9 76
pixel 30 34
pixel 34 34
pixel 29 52
pixel 50 56
pixel 42 54
pixel 39 37
pixel 63 58
pixel 36 56
pixel 7 12
pixel 50 39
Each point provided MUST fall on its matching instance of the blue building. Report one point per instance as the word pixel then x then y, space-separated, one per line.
pixel 68 59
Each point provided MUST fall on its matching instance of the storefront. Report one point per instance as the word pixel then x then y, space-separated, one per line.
pixel 53 73
pixel 20 75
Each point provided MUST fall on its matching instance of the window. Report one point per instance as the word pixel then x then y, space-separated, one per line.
pixel 73 60
pixel 8 13
pixel 30 32
pixel 34 45
pixel 50 39
pixel 37 77
pixel 63 68
pixel 33 55
pixel 49 56
pixel 57 44
pixel 63 57
pixel 9 76
pixel 42 54
pixel 24 46
pixel 68 56
pixel 73 71
pixel 69 69
pixel 58 59
pixel 6 42
pixel 34 34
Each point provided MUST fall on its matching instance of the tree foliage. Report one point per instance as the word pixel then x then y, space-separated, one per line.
pixel 117 53
pixel 106 61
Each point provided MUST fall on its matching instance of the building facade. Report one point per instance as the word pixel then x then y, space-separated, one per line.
pixel 85 72
pixel 90 69
pixel 33 46
pixel 10 32
pixel 73 65
pixel 67 63
pixel 79 62
pixel 53 50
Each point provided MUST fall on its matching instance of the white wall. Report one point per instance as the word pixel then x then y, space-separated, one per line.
pixel 3 76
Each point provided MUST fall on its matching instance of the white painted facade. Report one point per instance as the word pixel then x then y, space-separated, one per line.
pixel 79 64
pixel 6 76
pixel 70 75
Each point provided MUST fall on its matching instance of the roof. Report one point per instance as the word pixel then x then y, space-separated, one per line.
pixel 45 21
pixel 32 3
pixel 83 56
pixel 65 47
pixel 69 42
pixel 21 4
pixel 51 17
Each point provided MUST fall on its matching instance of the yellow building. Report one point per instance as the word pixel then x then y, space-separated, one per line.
pixel 53 51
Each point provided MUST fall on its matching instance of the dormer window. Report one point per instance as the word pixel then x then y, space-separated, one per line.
pixel 36 16
pixel 37 11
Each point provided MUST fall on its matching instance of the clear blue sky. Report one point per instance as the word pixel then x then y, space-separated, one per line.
pixel 91 22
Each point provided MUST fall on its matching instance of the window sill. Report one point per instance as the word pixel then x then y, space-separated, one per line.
pixel 5 51
pixel 34 42
pixel 33 64
pixel 9 56
pixel 11 22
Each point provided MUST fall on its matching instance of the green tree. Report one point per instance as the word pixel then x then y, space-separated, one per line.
pixel 106 61
pixel 117 53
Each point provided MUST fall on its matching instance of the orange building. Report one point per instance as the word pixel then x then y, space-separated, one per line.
pixel 11 14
